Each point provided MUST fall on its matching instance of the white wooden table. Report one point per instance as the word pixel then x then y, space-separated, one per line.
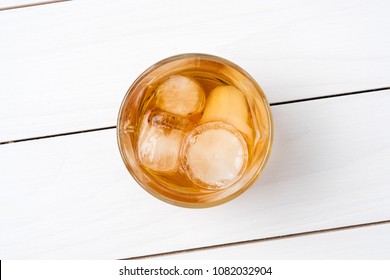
pixel 65 67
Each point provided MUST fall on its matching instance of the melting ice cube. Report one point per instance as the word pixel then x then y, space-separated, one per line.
pixel 159 141
pixel 215 155
pixel 228 104
pixel 180 95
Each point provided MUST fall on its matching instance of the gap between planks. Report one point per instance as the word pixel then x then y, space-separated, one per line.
pixel 32 5
pixel 293 235
pixel 271 104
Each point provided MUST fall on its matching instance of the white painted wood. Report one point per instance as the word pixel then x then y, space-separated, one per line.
pixel 71 196
pixel 370 242
pixel 15 3
pixel 66 67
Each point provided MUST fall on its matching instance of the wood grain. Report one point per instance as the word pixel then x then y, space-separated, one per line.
pixel 66 67
pixel 71 196
pixel 369 242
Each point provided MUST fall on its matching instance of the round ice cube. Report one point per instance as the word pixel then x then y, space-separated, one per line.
pixel 215 155
pixel 180 95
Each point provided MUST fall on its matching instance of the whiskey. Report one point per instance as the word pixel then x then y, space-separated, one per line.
pixel 195 130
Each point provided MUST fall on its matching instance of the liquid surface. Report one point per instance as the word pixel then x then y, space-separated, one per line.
pixel 195 132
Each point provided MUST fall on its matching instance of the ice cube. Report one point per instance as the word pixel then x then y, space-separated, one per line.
pixel 159 141
pixel 228 104
pixel 180 95
pixel 167 120
pixel 215 155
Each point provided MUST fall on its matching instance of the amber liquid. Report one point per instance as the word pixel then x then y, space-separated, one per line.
pixel 175 186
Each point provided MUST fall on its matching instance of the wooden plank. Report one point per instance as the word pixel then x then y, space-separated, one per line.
pixel 71 197
pixel 4 4
pixel 66 67
pixel 15 4
pixel 370 242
